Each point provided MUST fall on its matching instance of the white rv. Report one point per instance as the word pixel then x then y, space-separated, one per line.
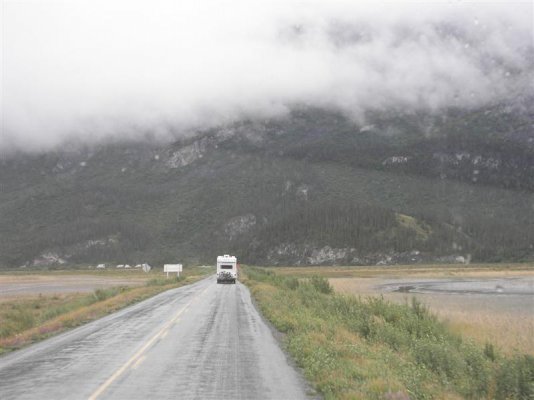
pixel 226 269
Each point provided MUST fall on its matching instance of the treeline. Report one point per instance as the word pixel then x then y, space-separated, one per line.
pixel 367 228
pixel 364 228
pixel 371 229
pixel 82 240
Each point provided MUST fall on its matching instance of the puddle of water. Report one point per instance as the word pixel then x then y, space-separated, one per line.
pixel 519 286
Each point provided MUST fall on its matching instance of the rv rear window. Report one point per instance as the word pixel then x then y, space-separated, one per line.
pixel 226 266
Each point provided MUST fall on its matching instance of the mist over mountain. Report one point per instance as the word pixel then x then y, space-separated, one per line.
pixel 282 132
pixel 100 71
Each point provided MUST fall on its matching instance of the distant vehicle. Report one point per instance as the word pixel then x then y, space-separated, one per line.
pixel 226 269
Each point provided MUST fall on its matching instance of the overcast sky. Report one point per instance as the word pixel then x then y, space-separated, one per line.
pixel 111 68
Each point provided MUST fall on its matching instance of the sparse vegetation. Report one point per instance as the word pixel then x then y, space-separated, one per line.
pixel 504 323
pixel 162 281
pixel 321 284
pixel 27 320
pixel 370 348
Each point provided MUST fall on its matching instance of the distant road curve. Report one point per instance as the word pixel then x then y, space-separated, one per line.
pixel 202 341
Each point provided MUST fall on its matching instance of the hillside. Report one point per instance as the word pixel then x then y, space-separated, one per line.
pixel 312 188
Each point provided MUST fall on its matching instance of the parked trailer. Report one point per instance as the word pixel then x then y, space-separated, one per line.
pixel 226 269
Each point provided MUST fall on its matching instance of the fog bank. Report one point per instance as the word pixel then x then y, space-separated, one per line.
pixel 93 70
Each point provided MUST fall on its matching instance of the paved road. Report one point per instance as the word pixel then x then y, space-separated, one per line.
pixel 203 341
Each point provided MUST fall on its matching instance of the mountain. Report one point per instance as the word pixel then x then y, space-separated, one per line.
pixel 313 187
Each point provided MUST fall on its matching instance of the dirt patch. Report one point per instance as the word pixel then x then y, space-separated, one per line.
pixel 31 285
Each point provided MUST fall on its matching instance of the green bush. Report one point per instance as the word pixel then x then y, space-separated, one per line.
pixel 16 320
pixel 515 379
pixel 321 284
pixel 164 281
pixel 440 358
pixel 103 294
pixel 260 274
pixel 292 283
pixel 489 351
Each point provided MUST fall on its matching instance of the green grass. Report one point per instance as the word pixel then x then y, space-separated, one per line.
pixel 20 315
pixel 422 230
pixel 369 348
pixel 164 281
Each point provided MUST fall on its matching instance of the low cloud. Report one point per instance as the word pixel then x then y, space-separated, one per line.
pixel 98 70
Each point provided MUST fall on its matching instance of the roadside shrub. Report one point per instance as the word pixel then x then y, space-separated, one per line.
pixel 157 282
pixel 440 358
pixel 164 281
pixel 292 283
pixel 103 294
pixel 419 308
pixel 321 284
pixel 489 351
pixel 392 336
pixel 259 274
pixel 479 371
pixel 515 379
pixel 16 321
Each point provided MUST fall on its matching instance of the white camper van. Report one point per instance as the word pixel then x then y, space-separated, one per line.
pixel 226 269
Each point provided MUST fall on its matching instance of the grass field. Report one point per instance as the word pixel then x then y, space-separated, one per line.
pixel 368 347
pixel 401 271
pixel 508 323
pixel 33 316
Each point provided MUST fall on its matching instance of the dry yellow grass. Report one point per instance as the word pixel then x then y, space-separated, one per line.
pixel 510 333
pixel 484 319
pixel 416 271
pixel 28 284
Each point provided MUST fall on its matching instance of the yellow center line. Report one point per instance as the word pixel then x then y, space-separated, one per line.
pixel 138 362
pixel 135 359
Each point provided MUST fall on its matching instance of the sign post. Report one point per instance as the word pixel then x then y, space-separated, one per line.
pixel 172 268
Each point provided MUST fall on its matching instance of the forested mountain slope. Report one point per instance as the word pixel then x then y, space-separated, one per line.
pixel 312 188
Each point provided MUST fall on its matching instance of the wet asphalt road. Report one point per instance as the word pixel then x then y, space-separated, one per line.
pixel 202 341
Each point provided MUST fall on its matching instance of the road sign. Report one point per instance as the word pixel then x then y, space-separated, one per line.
pixel 172 268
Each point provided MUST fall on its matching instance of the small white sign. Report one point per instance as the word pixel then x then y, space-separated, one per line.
pixel 172 268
